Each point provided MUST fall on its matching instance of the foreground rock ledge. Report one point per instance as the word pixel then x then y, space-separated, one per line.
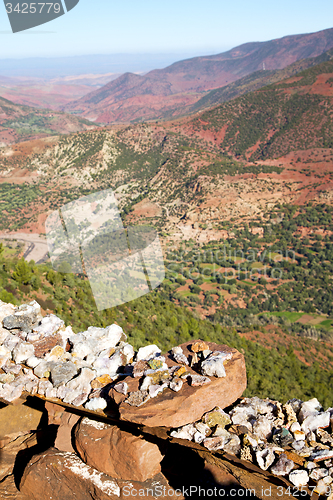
pixel 174 409
pixel 63 476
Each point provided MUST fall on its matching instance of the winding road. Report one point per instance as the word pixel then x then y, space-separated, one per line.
pixel 35 245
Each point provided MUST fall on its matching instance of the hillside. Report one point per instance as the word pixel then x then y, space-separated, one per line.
pixel 295 114
pixel 154 319
pixel 159 93
pixel 255 81
pixel 21 123
pixel 247 241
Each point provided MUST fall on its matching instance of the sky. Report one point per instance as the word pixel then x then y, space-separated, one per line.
pixel 182 27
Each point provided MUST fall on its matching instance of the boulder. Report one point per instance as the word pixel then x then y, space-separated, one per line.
pixel 62 475
pixel 9 453
pixel 115 452
pixel 175 409
pixel 57 415
pixel 17 420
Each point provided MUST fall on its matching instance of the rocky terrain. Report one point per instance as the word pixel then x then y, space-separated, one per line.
pixel 165 92
pixel 141 410
pixel 21 123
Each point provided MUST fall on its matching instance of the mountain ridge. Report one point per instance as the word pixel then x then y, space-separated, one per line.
pixel 134 97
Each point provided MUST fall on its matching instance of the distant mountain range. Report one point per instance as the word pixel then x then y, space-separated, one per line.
pixel 163 93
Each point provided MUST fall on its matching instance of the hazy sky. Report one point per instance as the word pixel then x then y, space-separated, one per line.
pixel 179 26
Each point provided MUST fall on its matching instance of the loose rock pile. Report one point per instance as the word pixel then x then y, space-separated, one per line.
pixel 39 355
pixel 289 440
pixel 186 389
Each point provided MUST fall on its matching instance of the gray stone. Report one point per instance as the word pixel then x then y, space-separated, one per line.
pixel 24 317
pixel 283 466
pixel 61 373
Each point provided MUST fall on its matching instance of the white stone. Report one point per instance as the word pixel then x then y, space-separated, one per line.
pixel 31 308
pixel 215 443
pixel 322 487
pixel 4 351
pixel 295 426
pixel 148 352
pixel 122 388
pixel 146 383
pixel 49 326
pixel 198 437
pixel 3 334
pixel 128 352
pixel 176 385
pixel 51 392
pixel 299 435
pixel 265 458
pixel 311 465
pixel 81 350
pixel 156 389
pixel 213 365
pixel 299 477
pixel 202 428
pixel 6 310
pixel 7 378
pixel 308 408
pixel 62 391
pixel 181 359
pixel 96 404
pixel 42 369
pixel 262 427
pixel 283 466
pixel 4 360
pixel 43 386
pixel 22 352
pixel 318 473
pixel 33 361
pixel 91 358
pixel 80 387
pixel 11 341
pixel 243 414
pixel 109 366
pixel 313 421
pixel 80 363
pixel 177 350
pixel 320 455
pixel 10 392
pixel 185 432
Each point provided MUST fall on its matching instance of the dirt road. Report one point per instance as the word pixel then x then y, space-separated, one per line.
pixel 35 245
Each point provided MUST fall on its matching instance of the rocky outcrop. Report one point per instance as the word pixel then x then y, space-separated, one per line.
pixel 17 421
pixel 172 409
pixel 138 407
pixel 68 478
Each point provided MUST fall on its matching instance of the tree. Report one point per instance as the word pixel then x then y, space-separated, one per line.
pixel 23 272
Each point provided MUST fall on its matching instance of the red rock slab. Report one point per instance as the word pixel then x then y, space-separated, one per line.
pixel 115 452
pixel 174 409
pixel 63 476
pixel 44 345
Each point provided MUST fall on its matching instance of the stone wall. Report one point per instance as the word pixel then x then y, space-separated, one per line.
pixel 87 417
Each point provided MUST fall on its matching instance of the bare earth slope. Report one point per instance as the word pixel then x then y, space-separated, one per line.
pixel 135 98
